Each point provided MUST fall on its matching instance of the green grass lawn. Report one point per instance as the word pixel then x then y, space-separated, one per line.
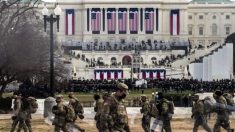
pixel 132 94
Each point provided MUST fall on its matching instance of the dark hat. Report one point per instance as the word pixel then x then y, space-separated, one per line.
pixel 218 93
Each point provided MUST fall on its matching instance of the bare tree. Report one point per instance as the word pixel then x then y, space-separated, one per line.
pixel 24 47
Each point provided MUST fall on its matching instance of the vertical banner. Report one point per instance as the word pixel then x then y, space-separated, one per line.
pixel 97 75
pixel 119 75
pixel 151 74
pixel 149 21
pixel 122 19
pixel 158 75
pixel 147 75
pixel 70 22
pixel 144 74
pixel 162 76
pixel 112 75
pixel 154 75
pixel 174 22
pixel 95 21
pixel 101 75
pixel 133 21
pixel 105 75
pixel 109 75
pixel 111 19
pixel 140 75
pixel 116 75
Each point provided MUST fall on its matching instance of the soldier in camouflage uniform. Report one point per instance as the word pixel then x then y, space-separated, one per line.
pixel 114 115
pixel 146 116
pixel 23 115
pixel 97 109
pixel 222 113
pixel 199 115
pixel 60 115
pixel 99 105
pixel 17 107
pixel 73 101
pixel 165 111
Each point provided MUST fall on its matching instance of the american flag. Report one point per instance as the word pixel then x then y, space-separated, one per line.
pixel 133 21
pixel 122 21
pixel 95 21
pixel 149 23
pixel 111 17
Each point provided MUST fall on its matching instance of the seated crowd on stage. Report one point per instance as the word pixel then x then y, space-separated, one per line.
pixel 126 46
pixel 178 85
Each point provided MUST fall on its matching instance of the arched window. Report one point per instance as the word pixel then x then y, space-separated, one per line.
pixel 153 59
pixel 214 29
pixel 100 59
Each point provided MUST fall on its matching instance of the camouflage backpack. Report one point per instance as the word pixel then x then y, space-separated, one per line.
pixel 33 105
pixel 153 110
pixel 229 99
pixel 70 113
pixel 121 113
pixel 78 108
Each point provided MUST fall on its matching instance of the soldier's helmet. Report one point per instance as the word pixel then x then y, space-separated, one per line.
pixel 195 97
pixel 217 94
pixel 143 97
pixel 70 94
pixel 122 86
pixel 59 98
pixel 14 96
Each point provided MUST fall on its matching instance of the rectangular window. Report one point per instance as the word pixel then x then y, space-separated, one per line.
pixel 190 17
pixel 190 31
pixel 201 17
pixel 200 30
pixel 214 17
pixel 227 30
pixel 227 17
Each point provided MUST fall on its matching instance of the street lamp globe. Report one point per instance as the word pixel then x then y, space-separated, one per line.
pixel 57 10
pixel 45 11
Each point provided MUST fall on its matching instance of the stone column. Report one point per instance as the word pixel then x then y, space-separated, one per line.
pixel 84 20
pixel 106 22
pixel 167 22
pixel 160 20
pixel 116 31
pixel 164 21
pixel 101 21
pixel 181 13
pixel 139 19
pixel 127 22
pixel 143 21
pixel 185 22
pixel 90 21
pixel 154 20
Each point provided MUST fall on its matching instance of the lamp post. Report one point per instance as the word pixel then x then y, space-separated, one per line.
pixel 51 19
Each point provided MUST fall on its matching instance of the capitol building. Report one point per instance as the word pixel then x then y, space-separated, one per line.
pixel 142 38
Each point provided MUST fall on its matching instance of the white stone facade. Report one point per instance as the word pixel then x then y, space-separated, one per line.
pixel 215 21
